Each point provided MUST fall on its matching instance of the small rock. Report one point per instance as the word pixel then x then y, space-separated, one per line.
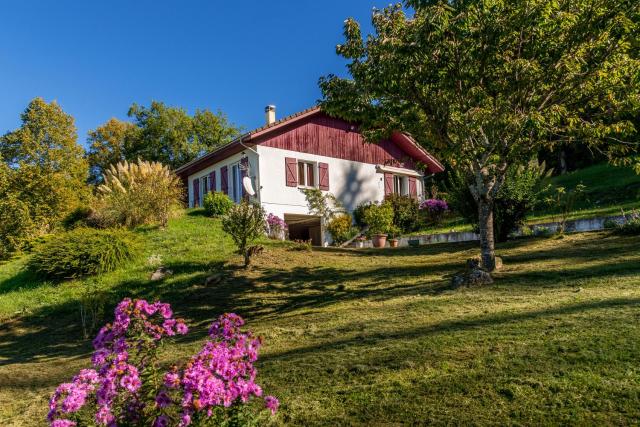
pixel 160 273
pixel 473 275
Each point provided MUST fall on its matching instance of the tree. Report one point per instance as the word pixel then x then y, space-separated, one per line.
pixel 170 136
pixel 109 144
pixel 487 83
pixel 245 222
pixel 44 166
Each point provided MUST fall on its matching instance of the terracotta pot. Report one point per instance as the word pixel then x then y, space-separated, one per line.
pixel 394 243
pixel 379 240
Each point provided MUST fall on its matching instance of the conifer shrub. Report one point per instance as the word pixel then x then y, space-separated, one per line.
pixel 216 203
pixel 83 252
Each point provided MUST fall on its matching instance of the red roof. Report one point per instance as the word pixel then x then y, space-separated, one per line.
pixel 403 140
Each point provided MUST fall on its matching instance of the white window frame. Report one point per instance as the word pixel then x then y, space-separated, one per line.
pixel 402 182
pixel 316 178
pixel 202 180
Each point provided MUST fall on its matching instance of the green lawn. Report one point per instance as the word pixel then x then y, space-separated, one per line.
pixel 371 337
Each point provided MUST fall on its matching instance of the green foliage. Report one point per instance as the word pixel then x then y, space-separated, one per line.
pixel 359 214
pixel 158 133
pixel 323 204
pixel 83 252
pixel 630 225
pixel 521 192
pixel 82 216
pixel 564 200
pixel 341 229
pixel 42 176
pixel 134 194
pixel 486 85
pixel 245 223
pixel 216 203
pixel 170 136
pixel 379 218
pixel 405 212
pixel 109 144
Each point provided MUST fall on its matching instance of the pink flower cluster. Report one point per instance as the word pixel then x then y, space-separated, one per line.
pixel 435 206
pixel 122 390
pixel 221 374
pixel 276 223
pixel 119 356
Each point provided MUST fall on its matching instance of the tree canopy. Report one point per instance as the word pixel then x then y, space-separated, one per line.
pixel 487 83
pixel 43 173
pixel 157 133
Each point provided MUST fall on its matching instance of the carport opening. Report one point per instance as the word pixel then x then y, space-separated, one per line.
pixel 304 227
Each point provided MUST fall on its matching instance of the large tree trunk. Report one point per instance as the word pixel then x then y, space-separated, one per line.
pixel 487 242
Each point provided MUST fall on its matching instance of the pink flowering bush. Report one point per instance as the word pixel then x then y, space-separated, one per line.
pixel 126 387
pixel 434 210
pixel 276 226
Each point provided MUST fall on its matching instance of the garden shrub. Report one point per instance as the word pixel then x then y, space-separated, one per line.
pixel 405 212
pixel 138 193
pixel 358 213
pixel 17 228
pixel 126 385
pixel 519 194
pixel 83 216
pixel 630 225
pixel 245 223
pixel 434 210
pixel 379 218
pixel 341 228
pixel 216 203
pixel 83 252
pixel 277 227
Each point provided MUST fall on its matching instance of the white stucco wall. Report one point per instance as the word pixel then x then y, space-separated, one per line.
pixel 253 166
pixel 351 182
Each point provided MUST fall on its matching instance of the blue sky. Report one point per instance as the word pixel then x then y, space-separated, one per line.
pixel 97 58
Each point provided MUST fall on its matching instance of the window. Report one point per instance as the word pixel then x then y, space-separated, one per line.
pixel 236 183
pixel 204 186
pixel 399 185
pixel 306 174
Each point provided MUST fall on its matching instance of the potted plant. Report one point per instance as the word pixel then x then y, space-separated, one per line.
pixel 379 217
pixel 394 233
pixel 359 242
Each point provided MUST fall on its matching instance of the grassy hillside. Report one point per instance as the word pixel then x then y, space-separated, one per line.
pixel 371 336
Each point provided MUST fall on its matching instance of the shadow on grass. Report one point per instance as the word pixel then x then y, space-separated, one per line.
pixel 452 326
pixel 269 291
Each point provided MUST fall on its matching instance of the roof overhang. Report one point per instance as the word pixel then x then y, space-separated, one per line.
pixel 413 149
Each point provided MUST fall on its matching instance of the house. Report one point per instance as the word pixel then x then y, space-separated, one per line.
pixel 305 150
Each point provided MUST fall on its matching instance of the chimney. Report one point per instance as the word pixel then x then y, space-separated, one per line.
pixel 270 114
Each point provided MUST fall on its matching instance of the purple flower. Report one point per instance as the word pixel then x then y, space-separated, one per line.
pixel 163 400
pixel 104 416
pixel 435 206
pixel 161 421
pixel 271 403
pixel 63 423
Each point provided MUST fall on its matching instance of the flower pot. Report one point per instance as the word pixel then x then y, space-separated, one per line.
pixel 394 243
pixel 379 240
pixel 359 243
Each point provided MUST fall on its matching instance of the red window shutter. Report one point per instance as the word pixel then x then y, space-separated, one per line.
pixel 323 172
pixel 196 192
pixel 212 181
pixel 413 189
pixel 388 184
pixel 290 165
pixel 244 166
pixel 224 180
